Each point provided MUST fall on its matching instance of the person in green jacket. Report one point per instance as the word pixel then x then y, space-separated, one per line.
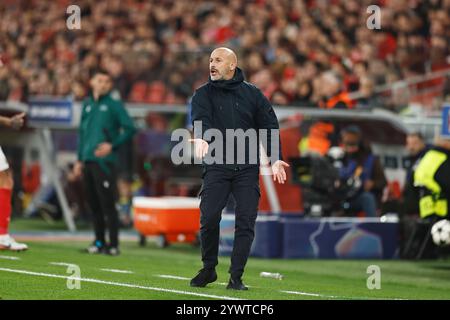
pixel 104 126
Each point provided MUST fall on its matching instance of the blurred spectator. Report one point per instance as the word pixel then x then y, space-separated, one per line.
pixel 367 99
pixel 416 148
pixel 332 94
pixel 303 95
pixel 433 194
pixel 361 173
pixel 297 51
pixel 431 181
pixel 319 139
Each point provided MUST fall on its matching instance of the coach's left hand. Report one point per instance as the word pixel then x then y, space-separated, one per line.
pixel 279 174
pixel 103 149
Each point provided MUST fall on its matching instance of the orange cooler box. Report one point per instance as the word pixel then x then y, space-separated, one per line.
pixel 172 219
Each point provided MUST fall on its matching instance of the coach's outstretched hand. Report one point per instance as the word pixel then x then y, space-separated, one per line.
pixel 279 174
pixel 201 147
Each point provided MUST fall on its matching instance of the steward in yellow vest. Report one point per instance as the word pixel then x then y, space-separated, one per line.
pixel 432 180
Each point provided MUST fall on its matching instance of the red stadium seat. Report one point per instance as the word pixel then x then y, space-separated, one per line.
pixel 156 92
pixel 138 92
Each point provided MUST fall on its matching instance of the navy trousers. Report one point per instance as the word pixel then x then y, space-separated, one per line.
pixel 218 184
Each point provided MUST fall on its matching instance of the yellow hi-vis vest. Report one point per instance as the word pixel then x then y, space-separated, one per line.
pixel 431 201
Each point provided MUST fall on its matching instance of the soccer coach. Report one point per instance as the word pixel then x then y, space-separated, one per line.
pixel 226 101
pixel 104 126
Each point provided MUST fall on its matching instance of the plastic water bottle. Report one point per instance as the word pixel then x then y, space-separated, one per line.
pixel 277 276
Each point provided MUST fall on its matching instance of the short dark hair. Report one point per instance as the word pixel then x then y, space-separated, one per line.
pixel 97 71
pixel 353 129
pixel 417 134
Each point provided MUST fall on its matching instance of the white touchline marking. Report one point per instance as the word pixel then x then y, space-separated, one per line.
pixel 119 284
pixel 168 276
pixel 9 258
pixel 318 295
pixel 117 270
pixel 335 297
pixel 310 294
pixel 64 264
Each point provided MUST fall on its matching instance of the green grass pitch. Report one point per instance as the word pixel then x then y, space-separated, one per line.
pixel 164 274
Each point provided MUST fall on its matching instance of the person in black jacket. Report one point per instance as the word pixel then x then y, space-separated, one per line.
pixel 409 239
pixel 228 102
pixel 416 147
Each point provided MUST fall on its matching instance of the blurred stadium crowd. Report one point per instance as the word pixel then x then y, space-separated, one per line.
pixel 299 52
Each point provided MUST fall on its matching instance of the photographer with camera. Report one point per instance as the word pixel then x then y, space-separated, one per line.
pixel 361 174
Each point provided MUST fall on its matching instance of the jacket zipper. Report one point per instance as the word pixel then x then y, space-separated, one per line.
pixel 232 112
pixel 234 128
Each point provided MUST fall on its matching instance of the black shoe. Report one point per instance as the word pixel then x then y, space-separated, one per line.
pixel 236 284
pixel 96 248
pixel 203 277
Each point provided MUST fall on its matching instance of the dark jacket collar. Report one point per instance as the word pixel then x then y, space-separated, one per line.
pixel 231 84
pixel 440 149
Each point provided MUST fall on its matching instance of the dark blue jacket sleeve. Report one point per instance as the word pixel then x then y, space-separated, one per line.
pixel 266 119
pixel 201 111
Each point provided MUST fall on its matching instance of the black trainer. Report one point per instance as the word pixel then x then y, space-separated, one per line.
pixel 236 284
pixel 203 277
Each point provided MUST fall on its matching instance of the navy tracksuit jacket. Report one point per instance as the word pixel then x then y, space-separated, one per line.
pixel 231 104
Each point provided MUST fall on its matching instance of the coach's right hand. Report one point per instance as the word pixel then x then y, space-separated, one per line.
pixel 201 147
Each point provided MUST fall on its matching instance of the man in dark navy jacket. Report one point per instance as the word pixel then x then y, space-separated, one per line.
pixel 225 103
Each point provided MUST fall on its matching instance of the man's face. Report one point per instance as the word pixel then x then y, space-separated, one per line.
pixel 221 65
pixel 101 83
pixel 414 145
pixel 350 142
